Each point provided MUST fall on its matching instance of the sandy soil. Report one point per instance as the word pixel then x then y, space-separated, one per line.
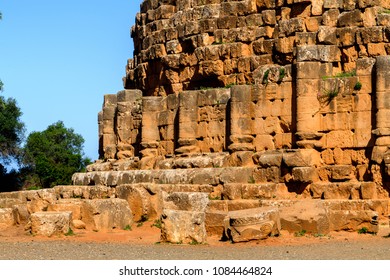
pixel 147 234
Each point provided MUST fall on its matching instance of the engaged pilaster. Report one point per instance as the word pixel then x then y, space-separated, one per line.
pixel 241 137
pixel 150 134
pixel 382 130
pixel 308 86
pixel 188 122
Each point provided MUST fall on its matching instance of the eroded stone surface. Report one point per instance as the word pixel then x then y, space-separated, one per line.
pixel 252 224
pixel 183 226
pixel 50 223
pixel 105 214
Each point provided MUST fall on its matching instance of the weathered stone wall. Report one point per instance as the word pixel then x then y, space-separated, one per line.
pixel 258 104
pixel 184 45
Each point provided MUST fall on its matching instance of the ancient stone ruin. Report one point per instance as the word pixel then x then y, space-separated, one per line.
pixel 240 119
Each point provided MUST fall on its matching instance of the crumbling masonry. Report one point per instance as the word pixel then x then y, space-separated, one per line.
pixel 244 118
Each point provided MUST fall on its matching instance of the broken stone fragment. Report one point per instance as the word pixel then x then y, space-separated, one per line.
pixel 252 224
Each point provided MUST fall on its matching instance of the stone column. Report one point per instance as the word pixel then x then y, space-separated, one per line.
pixel 108 140
pixel 308 86
pixel 382 130
pixel 127 100
pixel 241 137
pixel 150 133
pixel 188 122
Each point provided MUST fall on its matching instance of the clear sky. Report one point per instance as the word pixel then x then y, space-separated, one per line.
pixel 58 59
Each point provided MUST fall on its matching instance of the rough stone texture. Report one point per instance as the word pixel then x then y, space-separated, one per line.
pixel 68 205
pixel 139 200
pixel 186 201
pixel 105 214
pixel 7 217
pixel 183 226
pixel 246 104
pixel 354 220
pixel 50 223
pixel 252 224
pixel 310 216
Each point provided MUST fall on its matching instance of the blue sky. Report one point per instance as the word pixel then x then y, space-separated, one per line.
pixel 58 59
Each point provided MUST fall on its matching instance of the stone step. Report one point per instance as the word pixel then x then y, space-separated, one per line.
pixel 211 176
pixel 320 217
pixel 9 202
pixel 93 214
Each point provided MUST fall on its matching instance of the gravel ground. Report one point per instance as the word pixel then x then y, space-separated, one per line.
pixel 378 249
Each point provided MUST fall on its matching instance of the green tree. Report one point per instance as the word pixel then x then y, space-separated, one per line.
pixel 54 155
pixel 11 129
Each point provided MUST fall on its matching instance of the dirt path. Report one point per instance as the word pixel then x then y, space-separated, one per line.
pixel 142 243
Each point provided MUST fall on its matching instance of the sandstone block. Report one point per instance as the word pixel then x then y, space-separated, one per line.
pixel 353 220
pixel 78 224
pixel 7 218
pixel 352 18
pixel 341 172
pixel 368 190
pixel 302 158
pixel 305 174
pixel 21 213
pixel 263 191
pixel 183 226
pixel 214 223
pixel 307 215
pixel 138 199
pixel 67 205
pixel 50 223
pixel 9 202
pixel 323 53
pixel 252 224
pixel 186 201
pixel 268 159
pixel 342 191
pixel 106 214
pixel 327 35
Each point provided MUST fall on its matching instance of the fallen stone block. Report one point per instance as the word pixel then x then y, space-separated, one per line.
pixel 183 226
pixel 139 200
pixel 106 214
pixel 310 216
pixel 252 224
pixel 6 217
pixel 354 220
pixel 78 224
pixel 50 223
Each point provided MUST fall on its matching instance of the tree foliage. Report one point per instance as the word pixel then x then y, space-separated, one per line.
pixel 11 129
pixel 55 154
